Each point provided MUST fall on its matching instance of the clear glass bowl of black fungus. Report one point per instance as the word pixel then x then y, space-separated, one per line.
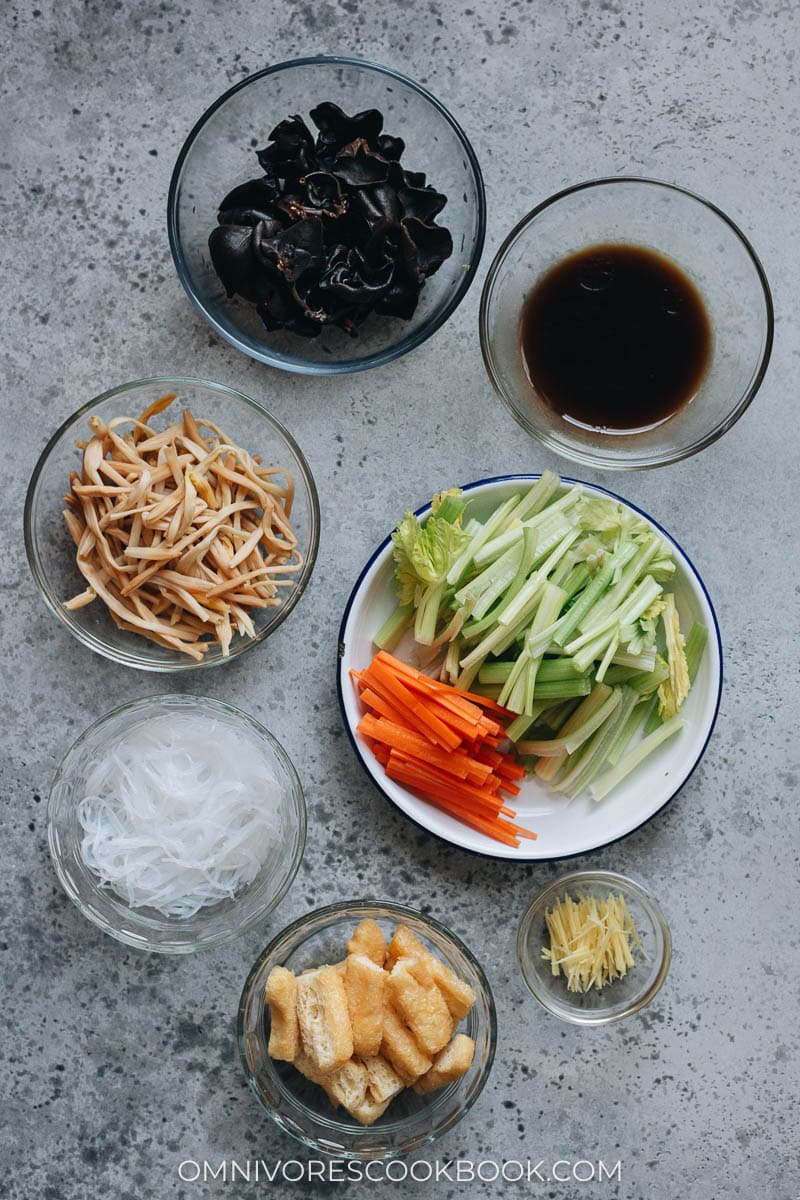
pixel 338 255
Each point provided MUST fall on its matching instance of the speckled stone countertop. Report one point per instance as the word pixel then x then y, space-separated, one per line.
pixel 119 1066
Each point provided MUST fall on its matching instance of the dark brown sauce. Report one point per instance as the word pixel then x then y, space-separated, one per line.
pixel 616 338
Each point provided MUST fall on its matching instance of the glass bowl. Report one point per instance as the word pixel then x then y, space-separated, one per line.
pixel 146 928
pixel 219 154
pixel 300 1107
pixel 695 235
pixel 624 996
pixel 51 552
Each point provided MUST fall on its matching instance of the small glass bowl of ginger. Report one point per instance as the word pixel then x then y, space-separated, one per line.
pixel 630 958
pixel 301 1108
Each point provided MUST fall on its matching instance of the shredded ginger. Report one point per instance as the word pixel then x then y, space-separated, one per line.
pixel 590 940
pixel 180 813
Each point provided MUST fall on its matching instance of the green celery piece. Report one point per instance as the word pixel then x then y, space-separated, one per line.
pixel 605 662
pixel 552 603
pixel 559 714
pixel 636 603
pixel 563 571
pixel 513 697
pixel 465 677
pixel 653 719
pixel 624 735
pixel 562 689
pixel 639 662
pixel 511 684
pixel 630 761
pixel 517 691
pixel 496 672
pixel 504 576
pixel 524 602
pixel 451 508
pixel 639 601
pixel 619 592
pixel 519 726
pixel 551 670
pixel 548 768
pixel 570 741
pixel 491 551
pixel 427 616
pixel 543 521
pixel 538 497
pixel 451 659
pixel 581 775
pixel 476 628
pixel 578 577
pixel 617 674
pixel 646 682
pixel 478 539
pixel 694 647
pixel 574 615
pixel 598 695
pixel 393 629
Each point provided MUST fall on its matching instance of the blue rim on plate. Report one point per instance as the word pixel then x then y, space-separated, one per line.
pixel 528 478
pixel 294 363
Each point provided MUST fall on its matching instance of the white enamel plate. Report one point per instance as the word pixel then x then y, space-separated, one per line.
pixel 564 828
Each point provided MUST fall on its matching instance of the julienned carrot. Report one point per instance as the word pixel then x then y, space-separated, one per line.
pixel 392 691
pixel 379 674
pixel 439 707
pixel 392 733
pixel 438 740
pixel 465 800
pixel 461 790
pixel 510 770
pixel 384 708
pixel 398 738
pixel 486 824
pixel 470 697
pixel 506 785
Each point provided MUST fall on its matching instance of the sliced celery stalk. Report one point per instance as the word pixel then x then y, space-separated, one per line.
pixel 571 740
pixel 392 630
pixel 550 669
pixel 572 618
pixel 617 674
pixel 694 647
pixel 646 682
pixel 479 538
pixel 624 735
pixel 640 662
pixel 630 761
pixel 619 592
pixel 584 771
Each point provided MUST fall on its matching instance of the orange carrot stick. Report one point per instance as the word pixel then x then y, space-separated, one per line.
pixel 412 744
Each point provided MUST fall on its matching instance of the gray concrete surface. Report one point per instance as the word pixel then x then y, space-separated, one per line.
pixel 118 1066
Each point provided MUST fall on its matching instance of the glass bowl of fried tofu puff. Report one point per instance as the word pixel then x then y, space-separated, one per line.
pixel 366 1029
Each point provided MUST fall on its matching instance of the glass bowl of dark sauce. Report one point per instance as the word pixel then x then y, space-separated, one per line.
pixel 626 323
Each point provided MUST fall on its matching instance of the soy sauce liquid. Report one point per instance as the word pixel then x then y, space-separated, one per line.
pixel 615 338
